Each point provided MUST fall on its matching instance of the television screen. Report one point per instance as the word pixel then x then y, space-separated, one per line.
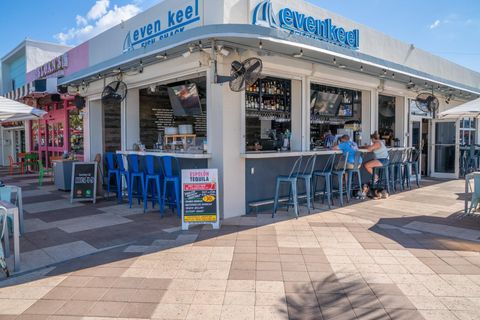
pixel 185 100
pixel 325 103
pixel 345 110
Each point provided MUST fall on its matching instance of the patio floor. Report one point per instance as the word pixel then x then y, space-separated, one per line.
pixel 406 257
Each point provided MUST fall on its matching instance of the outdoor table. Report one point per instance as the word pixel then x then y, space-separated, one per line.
pixel 18 191
pixel 13 210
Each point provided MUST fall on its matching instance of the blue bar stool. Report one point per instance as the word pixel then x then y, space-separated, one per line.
pixel 326 175
pixel 307 177
pixel 412 167
pixel 383 175
pixel 339 172
pixel 291 179
pixel 152 179
pixel 123 173
pixel 112 171
pixel 135 174
pixel 395 169
pixel 357 162
pixel 171 176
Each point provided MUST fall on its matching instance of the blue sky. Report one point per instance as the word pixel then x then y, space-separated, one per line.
pixel 447 28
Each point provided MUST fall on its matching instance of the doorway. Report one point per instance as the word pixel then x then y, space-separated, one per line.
pixel 420 136
pixel 445 149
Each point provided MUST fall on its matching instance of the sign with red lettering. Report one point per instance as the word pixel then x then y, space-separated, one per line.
pixel 200 197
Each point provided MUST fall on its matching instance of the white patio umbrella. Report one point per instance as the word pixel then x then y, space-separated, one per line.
pixel 470 109
pixel 11 110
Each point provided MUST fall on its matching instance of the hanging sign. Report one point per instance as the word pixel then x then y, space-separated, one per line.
pixel 200 203
pixel 84 178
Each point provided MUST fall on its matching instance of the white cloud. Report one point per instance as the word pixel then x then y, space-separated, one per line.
pixel 435 24
pixel 98 10
pixel 98 19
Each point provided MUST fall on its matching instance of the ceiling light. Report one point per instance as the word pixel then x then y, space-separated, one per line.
pixel 393 75
pixel 342 66
pixel 361 68
pixel 117 70
pixel 334 60
pixel 153 88
pixel 186 54
pixel 223 51
pixel 260 45
pixel 410 82
pixel 161 56
pixel 298 55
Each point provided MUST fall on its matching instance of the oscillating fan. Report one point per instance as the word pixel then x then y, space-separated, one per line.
pixel 114 92
pixel 427 102
pixel 243 74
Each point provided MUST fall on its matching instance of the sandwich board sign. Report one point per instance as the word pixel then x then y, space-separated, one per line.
pixel 84 182
pixel 200 203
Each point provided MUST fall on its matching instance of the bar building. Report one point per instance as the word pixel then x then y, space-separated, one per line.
pixel 321 73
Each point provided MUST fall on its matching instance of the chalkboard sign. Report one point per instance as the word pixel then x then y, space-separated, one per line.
pixel 200 201
pixel 84 178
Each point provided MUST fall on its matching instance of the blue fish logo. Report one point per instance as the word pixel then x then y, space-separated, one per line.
pixel 264 16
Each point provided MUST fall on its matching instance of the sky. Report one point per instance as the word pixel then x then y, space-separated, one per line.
pixel 450 29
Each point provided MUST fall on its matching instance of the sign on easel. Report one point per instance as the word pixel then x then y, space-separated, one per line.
pixel 84 182
pixel 200 203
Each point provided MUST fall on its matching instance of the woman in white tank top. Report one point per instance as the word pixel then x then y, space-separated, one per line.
pixel 379 150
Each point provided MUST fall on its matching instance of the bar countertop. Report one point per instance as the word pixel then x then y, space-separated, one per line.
pixel 284 154
pixel 159 153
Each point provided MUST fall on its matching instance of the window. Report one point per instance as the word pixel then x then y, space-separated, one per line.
pixel 467 131
pixel 268 115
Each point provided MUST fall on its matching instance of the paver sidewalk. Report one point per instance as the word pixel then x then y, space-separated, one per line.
pixel 407 257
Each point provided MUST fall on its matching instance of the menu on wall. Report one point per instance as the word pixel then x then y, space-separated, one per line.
pixel 200 203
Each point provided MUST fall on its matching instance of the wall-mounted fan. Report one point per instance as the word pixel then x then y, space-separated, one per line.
pixel 427 102
pixel 114 92
pixel 242 74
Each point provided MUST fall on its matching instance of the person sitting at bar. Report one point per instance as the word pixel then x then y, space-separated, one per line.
pixel 350 147
pixel 380 152
pixel 328 139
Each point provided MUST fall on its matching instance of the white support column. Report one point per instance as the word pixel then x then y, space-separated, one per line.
pixel 224 113
pixel 130 119
pixel 28 135
pixel 306 114
pixel 374 113
pixel 93 129
pixel 296 116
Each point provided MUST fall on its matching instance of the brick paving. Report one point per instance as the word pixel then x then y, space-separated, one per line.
pixel 406 257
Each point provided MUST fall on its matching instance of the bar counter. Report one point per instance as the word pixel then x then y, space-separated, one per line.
pixel 160 153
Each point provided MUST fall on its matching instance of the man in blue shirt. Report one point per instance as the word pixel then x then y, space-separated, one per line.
pixel 351 147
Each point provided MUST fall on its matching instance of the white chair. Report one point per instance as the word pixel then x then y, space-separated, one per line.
pixel 4 239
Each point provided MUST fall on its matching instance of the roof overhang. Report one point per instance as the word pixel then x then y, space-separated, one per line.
pixel 275 42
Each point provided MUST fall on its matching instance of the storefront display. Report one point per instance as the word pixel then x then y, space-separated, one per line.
pixel 268 115
pixel 334 111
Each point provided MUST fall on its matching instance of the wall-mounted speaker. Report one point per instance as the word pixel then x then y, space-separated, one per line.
pixel 79 102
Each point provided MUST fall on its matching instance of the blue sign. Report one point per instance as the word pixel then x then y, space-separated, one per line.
pixel 176 21
pixel 304 25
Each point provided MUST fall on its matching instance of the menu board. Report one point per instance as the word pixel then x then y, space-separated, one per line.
pixel 84 186
pixel 200 201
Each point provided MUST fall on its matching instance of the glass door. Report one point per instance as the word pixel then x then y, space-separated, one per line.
pixel 446 147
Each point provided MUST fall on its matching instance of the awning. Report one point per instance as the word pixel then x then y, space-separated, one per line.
pixel 11 110
pixel 36 87
pixel 470 109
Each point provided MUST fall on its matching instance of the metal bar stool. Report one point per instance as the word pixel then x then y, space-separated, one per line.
pixel 407 168
pixel 357 162
pixel 112 171
pixel 383 177
pixel 135 174
pixel 152 179
pixel 396 175
pixel 171 173
pixel 307 176
pixel 326 175
pixel 339 173
pixel 291 180
pixel 123 173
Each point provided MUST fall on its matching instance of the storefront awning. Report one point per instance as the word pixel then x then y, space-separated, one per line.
pixel 34 88
pixel 11 110
pixel 470 109
pixel 273 41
